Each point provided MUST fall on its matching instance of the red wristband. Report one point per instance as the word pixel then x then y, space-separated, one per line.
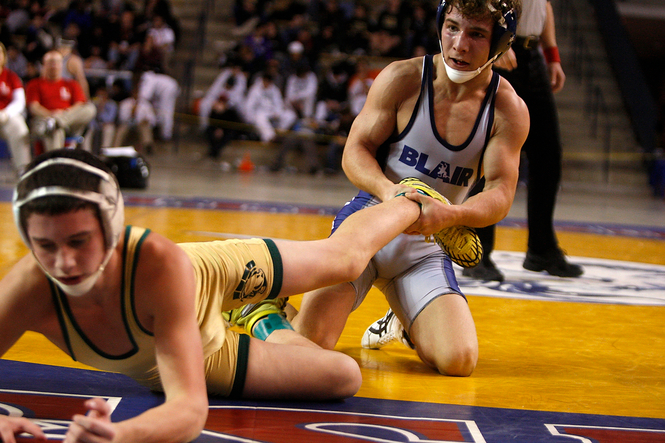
pixel 552 54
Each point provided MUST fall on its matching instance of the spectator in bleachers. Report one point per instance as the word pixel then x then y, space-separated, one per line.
pixel 332 94
pixel 333 114
pixel 271 33
pixel 18 19
pixel 274 68
pixel 359 85
pixel 328 41
pixel 58 106
pixel 16 61
pixel 249 62
pixel 162 8
pixel 247 14
pixel 79 13
pixel 301 89
pixel 234 96
pixel 224 117
pixel 112 7
pixel 290 29
pixel 163 37
pixel 138 114
pixel 32 71
pixel 120 90
pixel 244 10
pixel 124 42
pixel 260 44
pixel 295 56
pixel 392 17
pixel 13 128
pixel 266 110
pixel 153 8
pixel 311 52
pixel 387 36
pixel 333 15
pixel 95 59
pixel 72 64
pixel 38 39
pixel 98 37
pixel 156 87
pixel 420 30
pixel 355 39
pixel 103 126
pixel 284 10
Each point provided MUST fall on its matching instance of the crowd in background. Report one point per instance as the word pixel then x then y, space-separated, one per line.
pixel 303 68
pixel 107 35
pixel 298 66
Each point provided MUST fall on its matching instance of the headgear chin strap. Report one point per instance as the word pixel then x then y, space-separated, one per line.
pixel 108 199
pixel 503 34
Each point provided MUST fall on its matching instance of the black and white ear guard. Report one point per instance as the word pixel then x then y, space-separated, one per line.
pixel 108 198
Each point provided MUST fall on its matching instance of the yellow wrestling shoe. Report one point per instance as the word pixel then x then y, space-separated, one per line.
pixel 247 316
pixel 461 243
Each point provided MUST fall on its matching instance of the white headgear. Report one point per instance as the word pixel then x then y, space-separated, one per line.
pixel 108 198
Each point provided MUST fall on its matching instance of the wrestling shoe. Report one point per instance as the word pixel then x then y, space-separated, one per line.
pixel 553 262
pixel 461 243
pixel 386 330
pixel 246 316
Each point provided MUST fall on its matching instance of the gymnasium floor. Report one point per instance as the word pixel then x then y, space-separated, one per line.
pixel 560 359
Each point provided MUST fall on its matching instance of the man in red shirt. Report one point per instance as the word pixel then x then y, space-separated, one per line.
pixel 12 124
pixel 57 105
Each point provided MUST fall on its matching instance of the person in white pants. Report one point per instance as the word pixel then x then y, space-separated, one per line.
pixel 13 128
pixel 138 114
pixel 162 91
pixel 235 96
pixel 266 110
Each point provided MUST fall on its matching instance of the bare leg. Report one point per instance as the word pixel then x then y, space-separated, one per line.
pixel 343 256
pixel 303 371
pixel 445 336
pixel 323 314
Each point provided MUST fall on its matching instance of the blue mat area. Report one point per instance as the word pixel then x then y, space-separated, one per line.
pixel 51 395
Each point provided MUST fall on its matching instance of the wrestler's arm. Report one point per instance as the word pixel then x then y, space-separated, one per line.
pixel 376 122
pixel 165 282
pixel 21 304
pixel 500 167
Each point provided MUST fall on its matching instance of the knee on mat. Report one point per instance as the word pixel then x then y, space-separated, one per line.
pixel 458 362
pixel 344 377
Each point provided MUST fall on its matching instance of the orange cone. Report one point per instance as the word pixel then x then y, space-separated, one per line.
pixel 246 164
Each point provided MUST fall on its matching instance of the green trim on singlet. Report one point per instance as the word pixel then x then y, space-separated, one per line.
pixel 241 366
pixel 278 269
pixel 135 264
pixel 61 319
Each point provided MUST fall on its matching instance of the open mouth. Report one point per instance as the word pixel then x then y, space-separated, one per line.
pixel 457 63
pixel 70 280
